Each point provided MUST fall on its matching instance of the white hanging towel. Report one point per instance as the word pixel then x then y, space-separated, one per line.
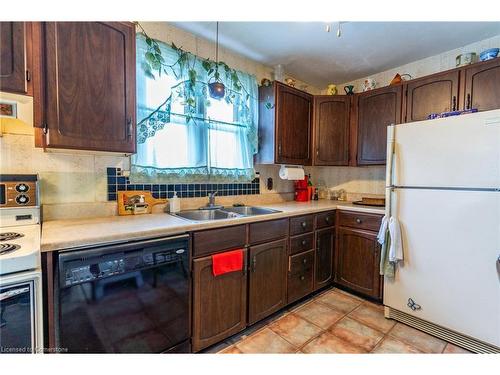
pixel 396 246
pixel 383 230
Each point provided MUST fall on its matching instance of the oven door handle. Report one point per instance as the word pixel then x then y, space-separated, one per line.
pixel 13 293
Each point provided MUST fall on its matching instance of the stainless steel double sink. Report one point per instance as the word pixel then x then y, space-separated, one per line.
pixel 223 213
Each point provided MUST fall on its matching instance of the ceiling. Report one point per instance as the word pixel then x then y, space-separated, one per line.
pixel 311 54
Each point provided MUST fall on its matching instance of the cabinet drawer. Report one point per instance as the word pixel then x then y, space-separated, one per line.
pixel 300 275
pixel 268 230
pixel 301 243
pixel 301 224
pixel 325 219
pixel 359 220
pixel 215 240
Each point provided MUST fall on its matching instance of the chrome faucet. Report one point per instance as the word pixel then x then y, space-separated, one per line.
pixel 211 202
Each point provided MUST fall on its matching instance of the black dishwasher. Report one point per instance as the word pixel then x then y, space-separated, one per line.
pixel 125 298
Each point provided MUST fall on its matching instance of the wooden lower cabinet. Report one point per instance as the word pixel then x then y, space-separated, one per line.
pixel 357 258
pixel 325 242
pixel 300 275
pixel 267 279
pixel 219 303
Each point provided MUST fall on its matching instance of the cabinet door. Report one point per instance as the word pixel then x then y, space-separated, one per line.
pixel 357 259
pixel 13 57
pixel 219 303
pixel 300 275
pixel 293 125
pixel 90 86
pixel 434 94
pixel 267 291
pixel 324 257
pixel 375 111
pixel 331 130
pixel 482 86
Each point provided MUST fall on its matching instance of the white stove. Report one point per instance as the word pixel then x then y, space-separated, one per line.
pixel 21 321
pixel 19 248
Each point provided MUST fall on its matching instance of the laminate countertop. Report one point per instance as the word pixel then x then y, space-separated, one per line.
pixel 78 233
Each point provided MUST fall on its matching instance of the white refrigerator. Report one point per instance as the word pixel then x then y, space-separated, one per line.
pixel 443 185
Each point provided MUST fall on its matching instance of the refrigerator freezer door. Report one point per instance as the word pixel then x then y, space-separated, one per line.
pixel 451 243
pixel 461 151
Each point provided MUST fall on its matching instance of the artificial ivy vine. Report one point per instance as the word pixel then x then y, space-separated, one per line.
pixel 185 63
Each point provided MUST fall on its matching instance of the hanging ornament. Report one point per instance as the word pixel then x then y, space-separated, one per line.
pixel 216 88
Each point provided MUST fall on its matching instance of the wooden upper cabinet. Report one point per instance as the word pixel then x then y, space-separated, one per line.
pixel 357 258
pixel 267 283
pixel 285 125
pixel 219 303
pixel 331 130
pixel 15 57
pixel 433 94
pixel 374 111
pixel 88 95
pixel 481 86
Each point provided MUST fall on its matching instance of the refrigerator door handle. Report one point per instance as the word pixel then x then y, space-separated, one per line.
pixel 389 168
pixel 498 265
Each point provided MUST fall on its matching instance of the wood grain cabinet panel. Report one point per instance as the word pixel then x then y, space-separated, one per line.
pixel 325 243
pixel 268 230
pixel 433 94
pixel 88 98
pixel 301 243
pixel 375 110
pixel 216 240
pixel 219 303
pixel 285 125
pixel 300 275
pixel 267 279
pixel 358 220
pixel 14 58
pixel 331 130
pixel 481 83
pixel 357 258
pixel 301 224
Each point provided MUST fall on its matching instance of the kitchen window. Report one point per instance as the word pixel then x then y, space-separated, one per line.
pixel 183 134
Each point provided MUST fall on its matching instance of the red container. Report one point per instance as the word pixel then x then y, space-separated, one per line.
pixel 302 193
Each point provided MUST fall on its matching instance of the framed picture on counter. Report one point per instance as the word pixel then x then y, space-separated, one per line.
pixel 8 109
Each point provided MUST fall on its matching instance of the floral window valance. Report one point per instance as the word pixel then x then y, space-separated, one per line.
pixel 183 133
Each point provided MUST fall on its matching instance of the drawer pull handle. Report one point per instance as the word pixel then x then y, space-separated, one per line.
pixel 302 278
pixel 254 263
pixel 358 220
pixel 327 219
pixel 304 224
pixel 304 260
pixel 304 242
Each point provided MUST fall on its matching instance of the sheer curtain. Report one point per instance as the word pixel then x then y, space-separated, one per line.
pixel 214 140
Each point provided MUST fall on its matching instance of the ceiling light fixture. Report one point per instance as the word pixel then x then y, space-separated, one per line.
pixel 216 88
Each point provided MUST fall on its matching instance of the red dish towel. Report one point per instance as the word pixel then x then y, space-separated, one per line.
pixel 230 261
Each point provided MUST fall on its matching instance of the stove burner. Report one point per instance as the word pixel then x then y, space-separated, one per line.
pixel 6 248
pixel 10 236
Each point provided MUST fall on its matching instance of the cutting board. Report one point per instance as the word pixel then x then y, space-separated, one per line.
pixel 124 196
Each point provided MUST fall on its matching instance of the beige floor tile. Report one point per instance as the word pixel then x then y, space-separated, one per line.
pixel 418 339
pixel 294 329
pixel 393 346
pixel 349 294
pixel 265 341
pixel 372 317
pixel 453 349
pixel 231 350
pixel 328 343
pixel 356 333
pixel 319 314
pixel 339 301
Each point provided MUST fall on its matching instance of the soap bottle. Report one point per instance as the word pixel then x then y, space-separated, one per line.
pixel 175 203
